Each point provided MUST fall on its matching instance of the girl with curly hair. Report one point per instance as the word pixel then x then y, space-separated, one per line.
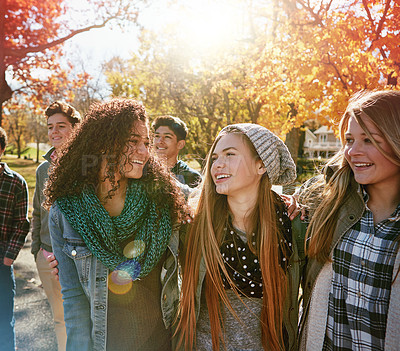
pixel 351 294
pixel 112 216
pixel 241 273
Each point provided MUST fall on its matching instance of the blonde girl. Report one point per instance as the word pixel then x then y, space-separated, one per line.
pixel 351 294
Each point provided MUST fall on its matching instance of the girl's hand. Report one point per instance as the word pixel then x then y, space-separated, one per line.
pixel 188 218
pixel 293 207
pixel 53 263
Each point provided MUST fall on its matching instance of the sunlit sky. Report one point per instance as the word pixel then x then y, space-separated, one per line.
pixel 203 24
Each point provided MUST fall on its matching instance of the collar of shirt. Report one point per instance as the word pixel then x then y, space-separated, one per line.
pixel 6 170
pixel 53 156
pixel 395 217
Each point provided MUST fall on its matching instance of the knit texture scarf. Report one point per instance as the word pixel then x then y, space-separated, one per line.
pixel 141 220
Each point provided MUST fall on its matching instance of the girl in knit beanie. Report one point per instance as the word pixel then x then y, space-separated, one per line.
pixel 241 270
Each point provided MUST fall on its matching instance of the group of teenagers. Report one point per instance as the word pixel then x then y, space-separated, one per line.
pixel 140 269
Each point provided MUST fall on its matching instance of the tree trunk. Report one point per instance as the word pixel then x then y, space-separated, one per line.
pixel 37 150
pixel 5 90
pixel 19 149
pixel 292 142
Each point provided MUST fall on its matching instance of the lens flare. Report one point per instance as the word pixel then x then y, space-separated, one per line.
pixel 120 277
pixel 134 248
pixel 130 268
pixel 119 282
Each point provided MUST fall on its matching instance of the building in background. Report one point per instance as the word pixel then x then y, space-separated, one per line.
pixel 322 143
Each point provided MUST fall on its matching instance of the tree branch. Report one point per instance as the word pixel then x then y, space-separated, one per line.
pixel 316 17
pixel 330 63
pixel 365 3
pixel 24 51
pixel 380 24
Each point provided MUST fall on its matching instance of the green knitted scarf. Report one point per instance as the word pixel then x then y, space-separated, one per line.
pixel 141 220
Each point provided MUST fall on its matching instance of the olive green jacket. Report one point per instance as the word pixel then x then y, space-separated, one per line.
pixel 317 281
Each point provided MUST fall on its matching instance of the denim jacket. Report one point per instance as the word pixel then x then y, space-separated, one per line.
pixel 84 282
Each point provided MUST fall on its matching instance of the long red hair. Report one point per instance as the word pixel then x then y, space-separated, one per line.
pixel 204 240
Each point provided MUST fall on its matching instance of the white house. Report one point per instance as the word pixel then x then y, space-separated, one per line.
pixel 321 143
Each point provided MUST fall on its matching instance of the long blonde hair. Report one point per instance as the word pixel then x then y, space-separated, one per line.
pixel 204 240
pixel 383 109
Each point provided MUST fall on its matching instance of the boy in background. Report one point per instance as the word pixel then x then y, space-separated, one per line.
pixel 169 139
pixel 61 120
pixel 14 226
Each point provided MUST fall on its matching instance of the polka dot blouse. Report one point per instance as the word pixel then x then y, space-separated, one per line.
pixel 242 264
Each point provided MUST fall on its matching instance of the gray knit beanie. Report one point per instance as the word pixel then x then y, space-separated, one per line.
pixel 275 155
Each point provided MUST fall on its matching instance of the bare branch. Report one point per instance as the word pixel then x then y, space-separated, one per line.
pixel 365 3
pixel 24 51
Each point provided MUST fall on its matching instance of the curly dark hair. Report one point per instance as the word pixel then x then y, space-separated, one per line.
pixel 104 134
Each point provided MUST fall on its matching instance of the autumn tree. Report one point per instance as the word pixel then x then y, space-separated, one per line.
pixel 32 33
pixel 37 130
pixel 16 125
pixel 319 53
pixel 168 81
pixel 299 60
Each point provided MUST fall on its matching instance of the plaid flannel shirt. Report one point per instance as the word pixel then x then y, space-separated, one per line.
pixel 360 291
pixel 14 223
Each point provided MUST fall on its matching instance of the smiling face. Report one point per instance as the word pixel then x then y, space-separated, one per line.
pixel 59 129
pixel 166 144
pixel 370 166
pixel 137 151
pixel 235 169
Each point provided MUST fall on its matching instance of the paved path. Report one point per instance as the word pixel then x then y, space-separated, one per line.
pixel 34 322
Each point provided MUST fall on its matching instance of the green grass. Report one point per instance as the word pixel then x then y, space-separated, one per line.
pixel 31 153
pixel 26 152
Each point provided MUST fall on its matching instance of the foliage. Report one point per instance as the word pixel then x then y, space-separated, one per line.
pixel 167 82
pixel 321 53
pixel 37 131
pixel 302 60
pixel 31 36
pixel 16 127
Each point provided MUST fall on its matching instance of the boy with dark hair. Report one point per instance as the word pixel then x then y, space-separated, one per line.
pixel 169 138
pixel 14 226
pixel 61 120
